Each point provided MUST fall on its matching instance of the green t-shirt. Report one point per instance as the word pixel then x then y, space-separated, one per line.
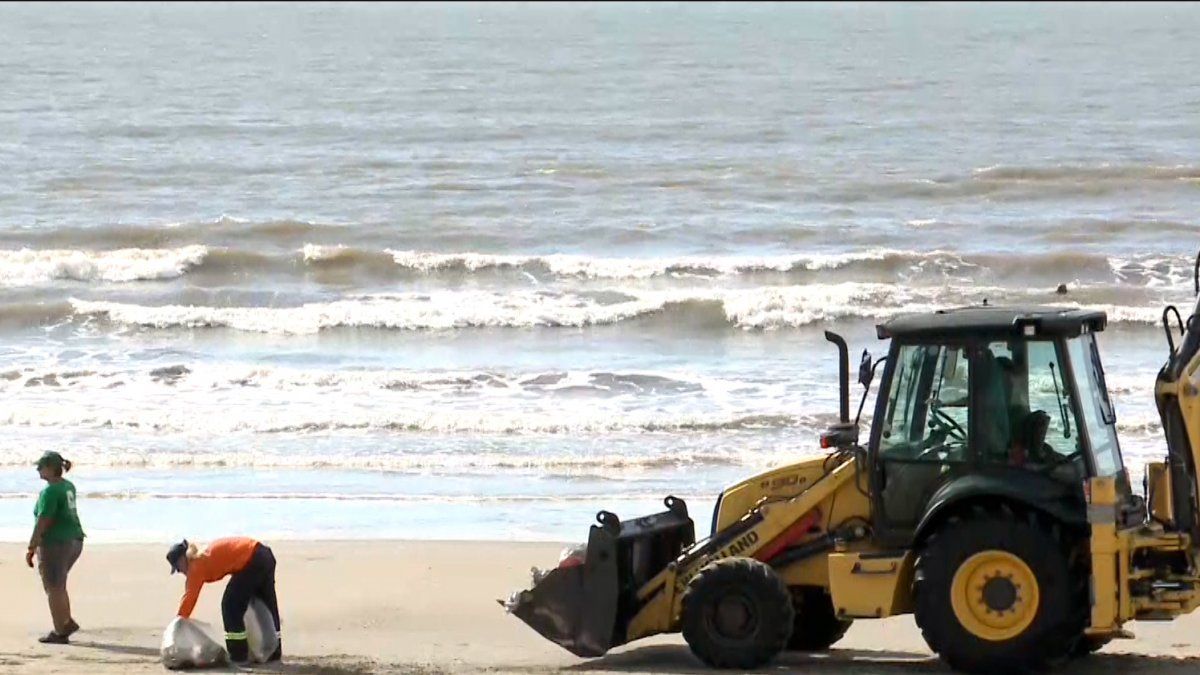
pixel 57 501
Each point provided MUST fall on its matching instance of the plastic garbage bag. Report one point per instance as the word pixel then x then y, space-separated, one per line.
pixel 189 644
pixel 514 600
pixel 260 631
pixel 573 556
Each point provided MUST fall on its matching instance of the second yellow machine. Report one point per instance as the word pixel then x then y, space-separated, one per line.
pixel 989 499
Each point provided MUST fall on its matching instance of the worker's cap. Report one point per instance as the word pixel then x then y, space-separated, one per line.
pixel 177 551
pixel 52 459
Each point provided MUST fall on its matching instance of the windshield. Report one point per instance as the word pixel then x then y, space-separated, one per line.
pixel 1098 412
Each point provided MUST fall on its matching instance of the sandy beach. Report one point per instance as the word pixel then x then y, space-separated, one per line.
pixel 347 277
pixel 426 607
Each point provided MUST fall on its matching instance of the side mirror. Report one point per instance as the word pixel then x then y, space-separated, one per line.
pixel 865 370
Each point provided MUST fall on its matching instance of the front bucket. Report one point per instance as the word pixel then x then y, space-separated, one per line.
pixel 576 607
pixel 585 608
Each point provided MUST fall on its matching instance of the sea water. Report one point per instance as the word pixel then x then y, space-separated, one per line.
pixel 476 271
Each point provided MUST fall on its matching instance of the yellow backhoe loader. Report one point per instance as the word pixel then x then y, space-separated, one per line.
pixel 989 499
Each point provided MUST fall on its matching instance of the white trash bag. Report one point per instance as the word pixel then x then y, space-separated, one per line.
pixel 260 631
pixel 189 644
pixel 571 556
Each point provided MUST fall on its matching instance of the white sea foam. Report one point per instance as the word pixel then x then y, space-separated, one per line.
pixel 305 417
pixel 1146 270
pixel 644 268
pixel 755 308
pixel 317 253
pixel 427 262
pixel 227 377
pixel 1149 424
pixel 598 464
pixel 440 310
pixel 1152 270
pixel 29 267
pixel 25 267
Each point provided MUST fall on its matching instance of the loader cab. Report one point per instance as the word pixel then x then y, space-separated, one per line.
pixel 989 403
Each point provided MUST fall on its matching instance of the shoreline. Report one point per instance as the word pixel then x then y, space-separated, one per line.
pixel 409 606
pixel 146 527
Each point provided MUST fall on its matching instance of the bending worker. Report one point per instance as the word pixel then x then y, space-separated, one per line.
pixel 252 566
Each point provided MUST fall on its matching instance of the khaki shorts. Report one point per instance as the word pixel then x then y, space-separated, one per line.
pixel 55 560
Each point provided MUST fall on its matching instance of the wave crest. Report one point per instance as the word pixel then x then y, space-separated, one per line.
pixel 757 308
pixel 29 267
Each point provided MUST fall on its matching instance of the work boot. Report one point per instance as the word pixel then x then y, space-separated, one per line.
pixel 239 651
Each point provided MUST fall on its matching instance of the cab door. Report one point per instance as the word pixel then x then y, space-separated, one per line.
pixel 922 436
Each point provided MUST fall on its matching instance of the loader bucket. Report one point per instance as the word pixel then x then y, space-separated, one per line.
pixel 585 609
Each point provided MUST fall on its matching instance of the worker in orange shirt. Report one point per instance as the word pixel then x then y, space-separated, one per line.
pixel 251 568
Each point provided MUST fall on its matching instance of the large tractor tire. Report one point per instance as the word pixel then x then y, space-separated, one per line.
pixel 997 593
pixel 1086 646
pixel 816 627
pixel 736 613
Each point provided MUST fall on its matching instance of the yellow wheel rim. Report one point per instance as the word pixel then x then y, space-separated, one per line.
pixel 995 595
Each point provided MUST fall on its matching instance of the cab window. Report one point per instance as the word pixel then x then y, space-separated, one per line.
pixel 928 413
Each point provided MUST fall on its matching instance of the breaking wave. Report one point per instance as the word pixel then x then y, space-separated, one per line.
pixel 634 268
pixel 236 264
pixel 756 308
pixel 873 264
pixel 28 267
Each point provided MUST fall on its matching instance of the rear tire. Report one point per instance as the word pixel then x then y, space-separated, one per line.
pixel 995 593
pixel 737 613
pixel 1086 646
pixel 817 626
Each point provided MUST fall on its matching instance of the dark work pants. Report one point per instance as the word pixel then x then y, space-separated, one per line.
pixel 257 580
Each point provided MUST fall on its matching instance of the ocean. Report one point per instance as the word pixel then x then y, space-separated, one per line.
pixel 478 271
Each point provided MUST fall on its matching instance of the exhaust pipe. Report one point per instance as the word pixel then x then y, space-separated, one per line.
pixel 843 373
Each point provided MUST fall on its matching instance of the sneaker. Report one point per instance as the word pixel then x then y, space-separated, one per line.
pixel 53 638
pixel 71 629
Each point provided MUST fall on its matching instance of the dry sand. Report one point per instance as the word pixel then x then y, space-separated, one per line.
pixel 418 607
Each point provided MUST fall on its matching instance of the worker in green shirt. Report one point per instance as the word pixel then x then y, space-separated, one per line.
pixel 57 540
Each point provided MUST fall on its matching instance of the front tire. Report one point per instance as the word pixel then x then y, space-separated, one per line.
pixel 995 594
pixel 817 626
pixel 737 613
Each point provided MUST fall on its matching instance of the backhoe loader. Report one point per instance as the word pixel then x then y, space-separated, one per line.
pixel 989 499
